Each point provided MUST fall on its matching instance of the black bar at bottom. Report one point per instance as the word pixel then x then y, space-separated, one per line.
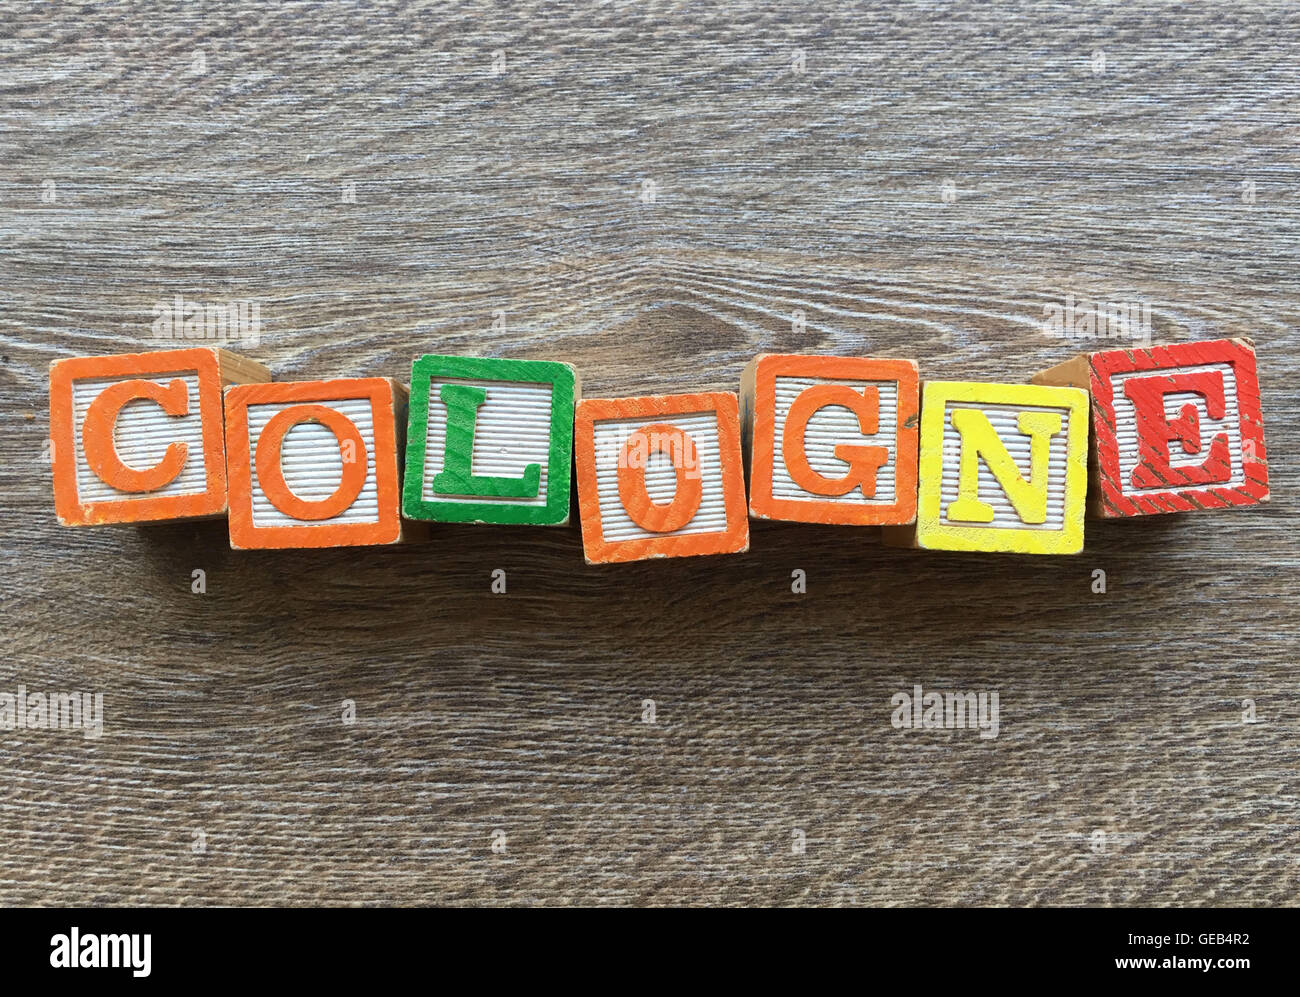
pixel 932 947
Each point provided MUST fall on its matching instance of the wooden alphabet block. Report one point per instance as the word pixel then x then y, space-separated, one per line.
pixel 832 439
pixel 1175 428
pixel 660 477
pixel 490 441
pixel 1003 467
pixel 138 438
pixel 314 463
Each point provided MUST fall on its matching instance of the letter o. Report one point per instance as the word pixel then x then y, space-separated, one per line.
pixel 679 447
pixel 270 474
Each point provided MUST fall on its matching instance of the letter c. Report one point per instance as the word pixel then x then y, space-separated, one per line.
pixel 101 422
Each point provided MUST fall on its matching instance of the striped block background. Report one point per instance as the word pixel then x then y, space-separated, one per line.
pixel 142 435
pixel 1005 420
pixel 512 430
pixel 830 427
pixel 660 477
pixel 312 464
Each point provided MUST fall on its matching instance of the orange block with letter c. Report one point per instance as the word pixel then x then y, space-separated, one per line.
pixel 832 439
pixel 660 477
pixel 137 437
pixel 314 463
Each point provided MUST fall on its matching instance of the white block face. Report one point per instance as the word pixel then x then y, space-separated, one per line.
pixel 312 463
pixel 513 430
pixel 1126 425
pixel 142 435
pixel 610 436
pixel 1005 421
pixel 828 428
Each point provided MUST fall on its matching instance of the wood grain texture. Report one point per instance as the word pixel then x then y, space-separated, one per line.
pixel 653 193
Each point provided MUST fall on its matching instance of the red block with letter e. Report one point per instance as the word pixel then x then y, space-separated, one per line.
pixel 1176 427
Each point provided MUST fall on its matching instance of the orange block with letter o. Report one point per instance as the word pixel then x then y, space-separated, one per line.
pixel 832 439
pixel 137 438
pixel 314 463
pixel 660 477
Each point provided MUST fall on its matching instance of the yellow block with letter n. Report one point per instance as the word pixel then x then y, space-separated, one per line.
pixel 1003 467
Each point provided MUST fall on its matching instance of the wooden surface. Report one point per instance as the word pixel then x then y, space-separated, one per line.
pixel 1123 772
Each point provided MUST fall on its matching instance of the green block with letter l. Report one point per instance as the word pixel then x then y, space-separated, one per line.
pixel 489 441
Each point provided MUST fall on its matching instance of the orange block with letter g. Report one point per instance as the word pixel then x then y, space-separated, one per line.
pixel 832 439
